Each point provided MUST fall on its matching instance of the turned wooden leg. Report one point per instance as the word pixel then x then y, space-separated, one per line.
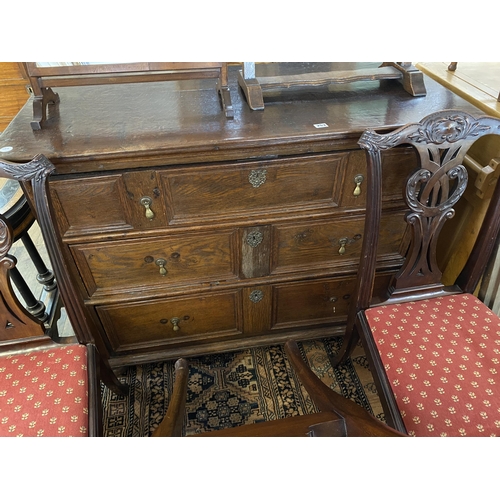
pixel 34 306
pixel 45 276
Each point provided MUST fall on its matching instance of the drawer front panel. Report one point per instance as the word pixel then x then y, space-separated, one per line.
pixel 397 165
pixel 161 322
pixel 317 302
pixel 109 203
pixel 332 243
pixel 276 188
pixel 91 205
pixel 160 262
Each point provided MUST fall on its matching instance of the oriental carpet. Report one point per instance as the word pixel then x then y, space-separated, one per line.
pixel 236 388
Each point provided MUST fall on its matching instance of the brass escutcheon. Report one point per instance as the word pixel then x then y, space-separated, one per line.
pixel 256 296
pixel 146 202
pixel 254 238
pixel 257 177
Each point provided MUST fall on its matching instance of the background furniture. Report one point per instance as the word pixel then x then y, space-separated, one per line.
pixel 44 76
pixel 433 349
pixel 181 232
pixel 47 389
pixel 255 86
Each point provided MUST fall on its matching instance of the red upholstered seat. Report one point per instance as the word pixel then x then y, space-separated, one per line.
pixel 44 392
pixel 442 359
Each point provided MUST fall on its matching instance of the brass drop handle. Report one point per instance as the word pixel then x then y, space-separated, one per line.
pixel 358 180
pixel 161 263
pixel 343 242
pixel 175 322
pixel 146 202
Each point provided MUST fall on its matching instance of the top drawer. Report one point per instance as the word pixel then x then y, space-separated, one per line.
pixel 266 188
pixel 153 199
pixel 282 188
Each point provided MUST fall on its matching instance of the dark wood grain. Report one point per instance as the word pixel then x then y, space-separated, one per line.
pixel 211 182
pixel 167 122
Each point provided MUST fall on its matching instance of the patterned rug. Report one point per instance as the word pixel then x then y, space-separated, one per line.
pixel 236 388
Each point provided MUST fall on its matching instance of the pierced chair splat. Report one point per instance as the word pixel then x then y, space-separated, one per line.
pixel 433 349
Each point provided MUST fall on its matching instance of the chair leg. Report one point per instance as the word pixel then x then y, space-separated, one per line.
pixel 95 401
pixel 350 341
pixel 171 425
pixel 107 375
pixel 357 420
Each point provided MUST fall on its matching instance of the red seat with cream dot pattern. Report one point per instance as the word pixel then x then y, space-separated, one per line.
pixel 442 359
pixel 44 392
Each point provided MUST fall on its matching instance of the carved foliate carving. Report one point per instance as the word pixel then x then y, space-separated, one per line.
pixel 450 127
pixel 37 169
pixel 443 127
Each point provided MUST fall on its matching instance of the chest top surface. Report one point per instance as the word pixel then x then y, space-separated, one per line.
pixel 104 127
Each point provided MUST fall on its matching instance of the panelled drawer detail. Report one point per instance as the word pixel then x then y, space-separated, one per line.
pixel 109 203
pixel 97 204
pixel 274 187
pixel 397 165
pixel 185 257
pixel 157 323
pixel 317 302
pixel 331 244
pixel 157 262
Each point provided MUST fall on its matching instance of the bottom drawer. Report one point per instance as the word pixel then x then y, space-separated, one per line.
pixel 159 323
pixel 317 302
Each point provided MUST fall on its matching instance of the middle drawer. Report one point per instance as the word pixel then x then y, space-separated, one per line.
pixel 157 262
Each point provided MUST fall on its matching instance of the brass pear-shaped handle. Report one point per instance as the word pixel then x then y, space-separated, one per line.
pixel 146 202
pixel 358 180
pixel 175 322
pixel 161 263
pixel 343 242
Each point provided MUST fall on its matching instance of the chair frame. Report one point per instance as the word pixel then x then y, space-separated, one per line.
pixel 441 139
pixel 30 331
pixel 337 416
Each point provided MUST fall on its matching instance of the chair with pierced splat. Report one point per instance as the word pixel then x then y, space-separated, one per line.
pixel 46 388
pixel 434 350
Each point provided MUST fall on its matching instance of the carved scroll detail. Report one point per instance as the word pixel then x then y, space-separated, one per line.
pixel 5 239
pixel 448 128
pixel 37 169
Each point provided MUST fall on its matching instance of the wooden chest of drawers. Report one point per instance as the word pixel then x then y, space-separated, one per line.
pixel 188 233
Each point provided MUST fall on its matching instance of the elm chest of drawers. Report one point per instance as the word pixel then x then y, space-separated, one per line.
pixel 187 233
